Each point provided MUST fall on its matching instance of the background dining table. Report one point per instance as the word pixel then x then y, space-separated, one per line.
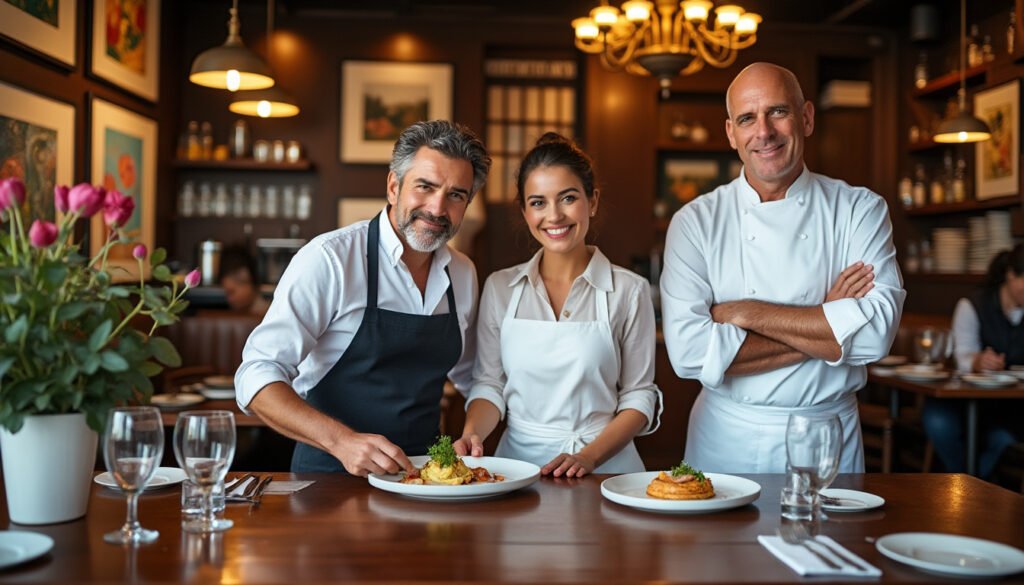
pixel 341 529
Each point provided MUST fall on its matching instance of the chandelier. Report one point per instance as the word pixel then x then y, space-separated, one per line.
pixel 666 38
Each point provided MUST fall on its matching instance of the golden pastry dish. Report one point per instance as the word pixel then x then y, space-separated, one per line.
pixel 681 483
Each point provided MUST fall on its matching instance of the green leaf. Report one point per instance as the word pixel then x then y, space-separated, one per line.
pixel 163 318
pixel 150 369
pixel 164 351
pixel 162 273
pixel 42 402
pixel 16 330
pixel 55 273
pixel 157 257
pixel 5 364
pixel 99 336
pixel 113 362
pixel 71 310
pixel 119 291
pixel 90 364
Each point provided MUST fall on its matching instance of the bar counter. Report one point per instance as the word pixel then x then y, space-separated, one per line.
pixel 340 529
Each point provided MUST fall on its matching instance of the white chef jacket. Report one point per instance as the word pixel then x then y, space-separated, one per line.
pixel 320 300
pixel 728 245
pixel 967 332
pixel 631 314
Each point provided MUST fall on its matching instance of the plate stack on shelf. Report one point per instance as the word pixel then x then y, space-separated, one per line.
pixel 978 249
pixel 1000 236
pixel 950 250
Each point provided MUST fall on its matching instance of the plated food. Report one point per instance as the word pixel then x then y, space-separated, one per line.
pixel 990 380
pixel 630 489
pixel 445 467
pixel 682 482
pixel 517 474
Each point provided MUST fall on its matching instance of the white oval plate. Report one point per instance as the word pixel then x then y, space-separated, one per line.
pixel 219 382
pixel 518 474
pixel 217 393
pixel 630 490
pixel 17 547
pixel 921 375
pixel 176 401
pixel 851 500
pixel 990 380
pixel 948 554
pixel 892 360
pixel 162 477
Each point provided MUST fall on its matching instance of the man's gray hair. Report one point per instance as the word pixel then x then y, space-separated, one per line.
pixel 450 139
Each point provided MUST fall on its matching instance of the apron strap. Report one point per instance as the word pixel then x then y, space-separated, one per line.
pixel 372 245
pixel 602 306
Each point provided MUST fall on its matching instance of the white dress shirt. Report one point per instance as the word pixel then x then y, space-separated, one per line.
pixel 631 315
pixel 728 245
pixel 967 332
pixel 320 300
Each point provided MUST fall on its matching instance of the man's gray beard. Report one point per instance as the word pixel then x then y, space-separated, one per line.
pixel 428 241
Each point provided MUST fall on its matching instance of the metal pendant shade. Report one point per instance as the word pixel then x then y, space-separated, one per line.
pixel 231 66
pixel 265 103
pixel 963 127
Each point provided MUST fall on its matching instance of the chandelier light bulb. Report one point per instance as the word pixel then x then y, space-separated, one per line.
pixel 586 29
pixel 726 16
pixel 696 10
pixel 637 11
pixel 605 16
pixel 747 24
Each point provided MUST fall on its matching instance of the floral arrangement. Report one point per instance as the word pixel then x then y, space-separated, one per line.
pixel 69 336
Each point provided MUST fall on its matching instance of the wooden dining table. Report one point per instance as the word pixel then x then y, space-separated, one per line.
pixel 952 388
pixel 342 530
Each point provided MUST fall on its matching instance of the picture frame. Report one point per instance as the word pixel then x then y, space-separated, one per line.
pixel 37 145
pixel 682 177
pixel 47 28
pixel 123 158
pixel 379 99
pixel 126 45
pixel 997 160
pixel 353 209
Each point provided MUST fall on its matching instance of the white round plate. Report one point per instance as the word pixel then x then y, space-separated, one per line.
pixel 851 500
pixel 518 474
pixel 17 547
pixel 217 393
pixel 990 380
pixel 892 360
pixel 176 401
pixel 219 382
pixel 948 554
pixel 162 477
pixel 630 490
pixel 916 374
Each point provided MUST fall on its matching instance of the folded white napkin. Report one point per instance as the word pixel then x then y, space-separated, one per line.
pixel 806 563
pixel 275 487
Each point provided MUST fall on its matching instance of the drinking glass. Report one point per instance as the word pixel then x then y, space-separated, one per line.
pixel 204 445
pixel 813 446
pixel 133 444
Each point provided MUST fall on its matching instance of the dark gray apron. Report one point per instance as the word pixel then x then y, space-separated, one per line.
pixel 391 378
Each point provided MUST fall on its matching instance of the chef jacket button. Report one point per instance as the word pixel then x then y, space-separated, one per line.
pixel 800 201
pixel 751 291
pixel 751 237
pixel 566 313
pixel 803 236
pixel 746 399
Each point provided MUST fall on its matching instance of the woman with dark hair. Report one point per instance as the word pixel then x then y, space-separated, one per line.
pixel 566 340
pixel 237 277
pixel 988 334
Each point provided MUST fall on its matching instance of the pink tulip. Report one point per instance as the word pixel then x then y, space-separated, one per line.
pixel 86 199
pixel 117 209
pixel 42 233
pixel 60 197
pixel 192 279
pixel 139 252
pixel 12 193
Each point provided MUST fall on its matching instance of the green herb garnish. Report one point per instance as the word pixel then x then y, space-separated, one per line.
pixel 684 469
pixel 442 451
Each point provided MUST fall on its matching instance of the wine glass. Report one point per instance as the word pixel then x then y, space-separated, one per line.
pixel 133 445
pixel 813 447
pixel 204 445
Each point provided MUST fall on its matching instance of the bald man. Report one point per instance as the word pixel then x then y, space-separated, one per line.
pixel 777 289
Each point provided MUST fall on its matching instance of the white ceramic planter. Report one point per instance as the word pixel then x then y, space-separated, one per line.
pixel 48 467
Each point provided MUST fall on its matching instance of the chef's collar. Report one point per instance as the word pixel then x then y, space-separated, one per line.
pixel 749 195
pixel 598 272
pixel 392 245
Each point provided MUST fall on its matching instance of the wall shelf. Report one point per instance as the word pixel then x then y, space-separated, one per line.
pixel 243 164
pixel 687 146
pixel 949 83
pixel 969 205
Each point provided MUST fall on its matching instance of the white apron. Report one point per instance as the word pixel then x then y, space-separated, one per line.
pixel 561 388
pixel 727 437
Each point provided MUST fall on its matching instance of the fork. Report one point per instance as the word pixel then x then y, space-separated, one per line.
pixel 258 496
pixel 823 558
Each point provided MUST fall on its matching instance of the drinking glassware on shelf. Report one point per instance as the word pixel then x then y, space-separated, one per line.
pixel 813 446
pixel 932 346
pixel 204 445
pixel 133 444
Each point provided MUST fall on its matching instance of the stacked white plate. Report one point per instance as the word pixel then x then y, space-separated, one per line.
pixel 950 246
pixel 978 255
pixel 1000 236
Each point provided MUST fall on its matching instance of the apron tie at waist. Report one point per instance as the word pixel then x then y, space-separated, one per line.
pixel 572 439
pixel 766 414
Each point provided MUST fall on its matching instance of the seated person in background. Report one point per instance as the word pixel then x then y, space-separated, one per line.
pixel 238 279
pixel 988 334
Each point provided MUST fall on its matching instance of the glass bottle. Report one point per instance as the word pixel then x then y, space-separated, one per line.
pixel 921 71
pixel 238 200
pixel 220 200
pixel 920 188
pixel 205 207
pixel 927 262
pixel 270 206
pixel 187 200
pixel 1011 33
pixel 947 176
pixel 304 204
pixel 973 48
pixel 255 203
pixel 987 54
pixel 206 137
pixel 906 190
pixel 288 202
pixel 913 262
pixel 960 180
pixel 194 149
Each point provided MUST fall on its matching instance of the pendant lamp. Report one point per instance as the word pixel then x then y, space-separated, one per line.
pixel 265 103
pixel 231 66
pixel 963 127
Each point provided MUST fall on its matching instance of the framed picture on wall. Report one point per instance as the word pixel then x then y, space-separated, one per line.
pixel 47 28
pixel 353 209
pixel 682 177
pixel 997 161
pixel 126 44
pixel 123 153
pixel 379 99
pixel 37 145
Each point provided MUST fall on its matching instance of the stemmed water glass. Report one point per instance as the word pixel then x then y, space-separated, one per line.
pixel 813 447
pixel 133 445
pixel 204 445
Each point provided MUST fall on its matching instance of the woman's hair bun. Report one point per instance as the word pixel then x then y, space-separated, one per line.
pixel 553 138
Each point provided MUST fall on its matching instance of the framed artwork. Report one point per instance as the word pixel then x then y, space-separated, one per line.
pixel 126 44
pixel 684 177
pixel 37 145
pixel 378 100
pixel 997 161
pixel 353 209
pixel 124 159
pixel 46 27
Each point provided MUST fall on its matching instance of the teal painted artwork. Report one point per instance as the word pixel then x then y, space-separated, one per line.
pixel 122 171
pixel 44 10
